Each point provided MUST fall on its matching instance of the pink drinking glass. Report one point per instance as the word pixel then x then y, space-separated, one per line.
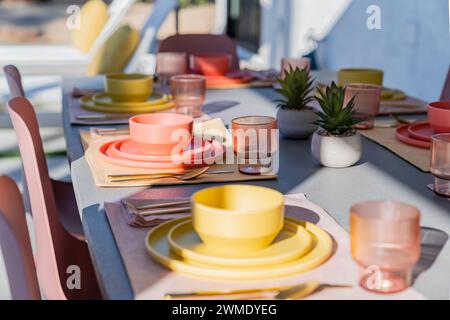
pixel 188 92
pixel 255 140
pixel 170 64
pixel 440 163
pixel 300 63
pixel 385 242
pixel 367 102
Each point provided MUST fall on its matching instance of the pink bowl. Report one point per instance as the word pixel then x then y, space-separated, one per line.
pixel 159 133
pixel 210 64
pixel 439 116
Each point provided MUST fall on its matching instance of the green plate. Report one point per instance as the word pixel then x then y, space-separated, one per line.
pixel 103 99
pixel 392 95
pixel 87 103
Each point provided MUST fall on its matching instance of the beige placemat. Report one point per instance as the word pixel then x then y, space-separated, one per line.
pixel 409 105
pixel 150 280
pixel 418 157
pixel 100 169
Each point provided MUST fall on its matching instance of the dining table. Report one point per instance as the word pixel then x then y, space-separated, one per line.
pixel 380 174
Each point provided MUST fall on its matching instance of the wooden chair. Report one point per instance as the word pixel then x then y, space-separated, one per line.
pixel 15 243
pixel 56 252
pixel 57 249
pixel 201 43
pixel 65 197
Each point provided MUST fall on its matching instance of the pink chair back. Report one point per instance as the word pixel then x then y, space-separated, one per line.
pixel 15 243
pixel 57 251
pixel 445 96
pixel 14 81
pixel 16 90
pixel 201 43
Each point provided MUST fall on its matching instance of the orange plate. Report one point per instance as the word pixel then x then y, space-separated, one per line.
pixel 421 131
pixel 402 134
pixel 128 149
pixel 217 81
pixel 107 153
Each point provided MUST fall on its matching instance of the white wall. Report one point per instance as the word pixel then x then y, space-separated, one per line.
pixel 287 26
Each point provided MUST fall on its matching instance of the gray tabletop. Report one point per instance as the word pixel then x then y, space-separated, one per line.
pixel 379 175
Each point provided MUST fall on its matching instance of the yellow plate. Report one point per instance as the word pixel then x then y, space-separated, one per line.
pixel 158 248
pixel 87 103
pixel 392 95
pixel 292 242
pixel 103 99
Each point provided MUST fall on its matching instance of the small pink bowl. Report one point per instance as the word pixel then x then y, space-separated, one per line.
pixel 159 133
pixel 439 116
pixel 210 64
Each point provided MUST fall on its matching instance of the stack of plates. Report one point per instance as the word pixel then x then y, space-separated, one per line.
pixel 102 102
pixel 218 81
pixel 388 94
pixel 125 152
pixel 417 134
pixel 300 246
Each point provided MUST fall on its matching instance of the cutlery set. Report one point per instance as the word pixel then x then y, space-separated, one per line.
pixel 185 176
pixel 149 213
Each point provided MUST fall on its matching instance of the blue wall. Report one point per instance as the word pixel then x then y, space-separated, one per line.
pixel 413 46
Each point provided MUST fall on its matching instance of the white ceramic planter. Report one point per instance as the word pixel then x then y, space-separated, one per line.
pixel 336 152
pixel 296 124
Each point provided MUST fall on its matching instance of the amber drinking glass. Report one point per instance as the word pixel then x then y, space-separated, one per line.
pixel 385 242
pixel 440 163
pixel 188 92
pixel 170 64
pixel 255 141
pixel 367 102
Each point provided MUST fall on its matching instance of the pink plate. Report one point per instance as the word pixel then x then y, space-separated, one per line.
pixel 402 134
pixel 421 131
pixel 128 149
pixel 107 153
pixel 217 81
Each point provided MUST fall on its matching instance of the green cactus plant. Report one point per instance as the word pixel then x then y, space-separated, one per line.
pixel 296 88
pixel 335 118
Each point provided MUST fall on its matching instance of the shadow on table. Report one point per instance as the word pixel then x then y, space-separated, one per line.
pixel 431 243
pixel 218 106
pixel 301 213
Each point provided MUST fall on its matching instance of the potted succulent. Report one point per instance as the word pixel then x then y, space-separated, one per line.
pixel 336 143
pixel 296 119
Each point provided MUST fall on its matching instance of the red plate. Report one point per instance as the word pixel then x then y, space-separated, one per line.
pixel 127 149
pixel 108 154
pixel 421 131
pixel 402 134
pixel 217 81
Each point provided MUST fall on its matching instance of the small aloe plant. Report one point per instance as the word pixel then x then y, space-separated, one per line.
pixel 296 88
pixel 335 118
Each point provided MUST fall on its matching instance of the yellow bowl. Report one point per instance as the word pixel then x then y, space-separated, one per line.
pixel 124 87
pixel 237 218
pixel 356 75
